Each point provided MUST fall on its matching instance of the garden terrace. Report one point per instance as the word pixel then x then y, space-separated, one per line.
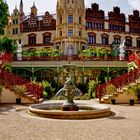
pixel 73 58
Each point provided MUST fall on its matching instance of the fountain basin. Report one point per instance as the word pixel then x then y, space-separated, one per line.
pixel 86 111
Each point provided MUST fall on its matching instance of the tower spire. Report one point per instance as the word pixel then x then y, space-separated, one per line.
pixel 21 3
pixel 21 7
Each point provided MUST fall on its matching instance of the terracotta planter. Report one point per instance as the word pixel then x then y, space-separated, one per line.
pixel 18 101
pixel 131 102
pixel 113 101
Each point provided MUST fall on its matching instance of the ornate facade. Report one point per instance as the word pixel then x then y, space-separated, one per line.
pixel 73 27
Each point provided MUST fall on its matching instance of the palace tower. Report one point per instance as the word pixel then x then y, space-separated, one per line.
pixel 70 26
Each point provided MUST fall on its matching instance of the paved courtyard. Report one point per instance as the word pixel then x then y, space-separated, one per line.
pixel 17 125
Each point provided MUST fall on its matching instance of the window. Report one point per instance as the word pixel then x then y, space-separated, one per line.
pixel 91 39
pixel 46 39
pixel 13 21
pixel 80 33
pixel 15 31
pixel 128 42
pixel 57 47
pixel 32 40
pixel 60 19
pixel 138 43
pixel 70 50
pixel 116 27
pixel 117 40
pixel 70 19
pixel 60 33
pixel 105 40
pixel 80 20
pixel 95 25
pixel 84 47
pixel 70 33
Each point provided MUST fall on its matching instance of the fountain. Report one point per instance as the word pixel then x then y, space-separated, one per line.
pixel 69 90
pixel 69 109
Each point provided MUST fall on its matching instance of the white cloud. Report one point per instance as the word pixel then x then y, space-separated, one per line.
pixel 135 4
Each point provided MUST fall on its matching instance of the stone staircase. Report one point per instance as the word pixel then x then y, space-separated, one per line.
pixel 121 96
pixel 34 91
pixel 121 82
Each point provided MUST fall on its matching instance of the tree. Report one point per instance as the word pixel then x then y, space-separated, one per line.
pixel 6 44
pixel 3 15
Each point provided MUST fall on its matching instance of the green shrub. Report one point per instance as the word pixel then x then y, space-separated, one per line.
pixel 48 89
pixel 91 88
pixel 20 90
pixel 111 89
pixel 45 94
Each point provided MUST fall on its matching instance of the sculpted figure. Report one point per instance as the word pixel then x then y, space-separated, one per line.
pixel 19 50
pixel 122 50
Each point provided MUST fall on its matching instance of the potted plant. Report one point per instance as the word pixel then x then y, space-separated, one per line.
pixel 131 91
pixel 20 91
pixel 111 89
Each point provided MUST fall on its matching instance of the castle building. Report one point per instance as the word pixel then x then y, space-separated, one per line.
pixel 73 28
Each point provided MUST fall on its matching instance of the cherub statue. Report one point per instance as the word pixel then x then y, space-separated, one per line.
pixel 19 50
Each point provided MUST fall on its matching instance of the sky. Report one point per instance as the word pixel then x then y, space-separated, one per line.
pixel 126 6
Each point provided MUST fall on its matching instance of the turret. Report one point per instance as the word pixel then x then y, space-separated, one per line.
pixel 34 9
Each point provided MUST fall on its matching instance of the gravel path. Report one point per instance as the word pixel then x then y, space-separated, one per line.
pixel 17 126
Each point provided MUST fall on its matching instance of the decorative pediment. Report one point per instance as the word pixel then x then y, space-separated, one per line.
pixel 92 33
pixel 32 34
pixel 104 35
pixel 47 34
pixel 117 36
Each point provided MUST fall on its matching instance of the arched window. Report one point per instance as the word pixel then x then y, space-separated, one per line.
pixel 32 39
pixel 128 41
pixel 84 47
pixel 104 39
pixel 57 47
pixel 117 39
pixel 46 38
pixel 138 42
pixel 91 38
